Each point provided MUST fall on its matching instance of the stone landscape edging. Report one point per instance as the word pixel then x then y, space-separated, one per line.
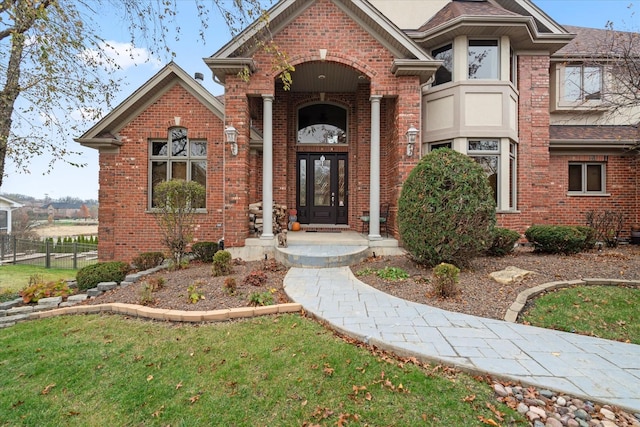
pixel 521 300
pixel 162 314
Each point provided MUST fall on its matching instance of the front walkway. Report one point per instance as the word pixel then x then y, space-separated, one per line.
pixel 585 367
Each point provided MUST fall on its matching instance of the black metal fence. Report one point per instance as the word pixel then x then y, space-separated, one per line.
pixel 46 253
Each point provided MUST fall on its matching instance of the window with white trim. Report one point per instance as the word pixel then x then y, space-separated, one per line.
pixel 581 83
pixel 177 157
pixel 587 178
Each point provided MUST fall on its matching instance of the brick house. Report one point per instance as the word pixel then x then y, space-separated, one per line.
pixel 497 80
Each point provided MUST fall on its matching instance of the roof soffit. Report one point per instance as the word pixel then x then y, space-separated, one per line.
pixel 103 134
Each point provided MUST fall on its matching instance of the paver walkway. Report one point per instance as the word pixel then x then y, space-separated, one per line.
pixel 585 367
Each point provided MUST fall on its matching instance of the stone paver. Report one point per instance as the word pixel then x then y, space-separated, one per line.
pixel 591 368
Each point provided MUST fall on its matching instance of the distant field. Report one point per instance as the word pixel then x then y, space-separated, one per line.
pixel 66 230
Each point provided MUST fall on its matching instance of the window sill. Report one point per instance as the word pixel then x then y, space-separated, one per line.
pixel 510 211
pixel 575 194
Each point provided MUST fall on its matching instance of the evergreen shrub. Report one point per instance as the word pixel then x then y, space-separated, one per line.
pixel 560 239
pixel 204 251
pixel 446 211
pixel 504 241
pixel 113 271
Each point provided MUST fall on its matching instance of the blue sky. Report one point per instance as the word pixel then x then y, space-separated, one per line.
pixel 67 180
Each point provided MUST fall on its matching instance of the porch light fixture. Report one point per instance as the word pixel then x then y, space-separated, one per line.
pixel 231 135
pixel 412 136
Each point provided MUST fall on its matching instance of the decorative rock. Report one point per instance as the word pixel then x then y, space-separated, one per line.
pixel 134 277
pixel 510 275
pixel 125 284
pixel 572 423
pixel 10 304
pixel 552 422
pixel 50 302
pixel 532 416
pixel 500 390
pixel 77 298
pixel 541 412
pixel 581 414
pixel 561 401
pixel 106 286
pixel 538 423
pixel 608 423
pixel 607 414
pixel 522 408
pixel 19 310
pixel 547 393
pixel 93 292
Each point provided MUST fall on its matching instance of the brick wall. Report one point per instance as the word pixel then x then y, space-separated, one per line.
pixel 126 227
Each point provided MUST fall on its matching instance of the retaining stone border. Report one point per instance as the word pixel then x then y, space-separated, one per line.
pixel 514 311
pixel 14 311
pixel 20 314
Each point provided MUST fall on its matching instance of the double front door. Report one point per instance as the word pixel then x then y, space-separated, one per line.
pixel 322 188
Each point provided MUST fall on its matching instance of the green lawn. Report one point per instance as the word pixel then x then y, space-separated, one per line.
pixel 609 312
pixel 16 277
pixel 268 371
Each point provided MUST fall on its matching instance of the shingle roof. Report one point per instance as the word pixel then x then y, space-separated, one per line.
pixel 590 42
pixel 459 8
pixel 594 133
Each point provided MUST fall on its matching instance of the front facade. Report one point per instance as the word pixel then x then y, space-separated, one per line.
pixel 493 79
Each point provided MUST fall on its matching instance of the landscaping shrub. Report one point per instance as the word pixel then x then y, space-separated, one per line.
pixel 560 239
pixel 36 291
pixel 194 291
pixel 112 271
pixel 147 260
pixel 221 263
pixel 256 278
pixel 446 279
pixel 607 226
pixel 204 251
pixel 504 241
pixel 229 286
pixel 446 211
pixel 392 274
pixel 259 299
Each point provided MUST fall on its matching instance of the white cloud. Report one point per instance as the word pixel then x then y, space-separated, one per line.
pixel 112 54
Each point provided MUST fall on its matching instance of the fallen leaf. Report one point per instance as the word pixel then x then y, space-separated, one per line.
pixel 194 399
pixel 469 398
pixel 150 377
pixel 179 385
pixel 48 388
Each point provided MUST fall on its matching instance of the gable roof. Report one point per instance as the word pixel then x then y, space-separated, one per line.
pixel 104 134
pixel 236 54
pixel 6 203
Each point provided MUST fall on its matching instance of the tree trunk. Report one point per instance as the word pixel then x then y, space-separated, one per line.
pixel 9 95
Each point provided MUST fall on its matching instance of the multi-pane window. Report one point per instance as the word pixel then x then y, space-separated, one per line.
pixel 437 145
pixel 177 157
pixel 444 74
pixel 483 59
pixel 582 83
pixel 585 178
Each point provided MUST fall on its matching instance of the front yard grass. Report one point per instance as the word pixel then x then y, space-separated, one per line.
pixel 609 312
pixel 285 370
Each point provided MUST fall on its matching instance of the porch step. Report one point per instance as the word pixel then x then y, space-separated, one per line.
pixel 321 256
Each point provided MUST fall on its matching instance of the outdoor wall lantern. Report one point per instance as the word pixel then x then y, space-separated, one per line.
pixel 412 136
pixel 232 138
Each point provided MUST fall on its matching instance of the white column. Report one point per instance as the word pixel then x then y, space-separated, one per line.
pixel 267 167
pixel 374 177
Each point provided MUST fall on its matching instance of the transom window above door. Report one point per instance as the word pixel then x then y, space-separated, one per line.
pixel 322 124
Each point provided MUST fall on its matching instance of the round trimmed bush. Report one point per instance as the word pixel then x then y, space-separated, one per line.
pixel 446 211
pixel 113 271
